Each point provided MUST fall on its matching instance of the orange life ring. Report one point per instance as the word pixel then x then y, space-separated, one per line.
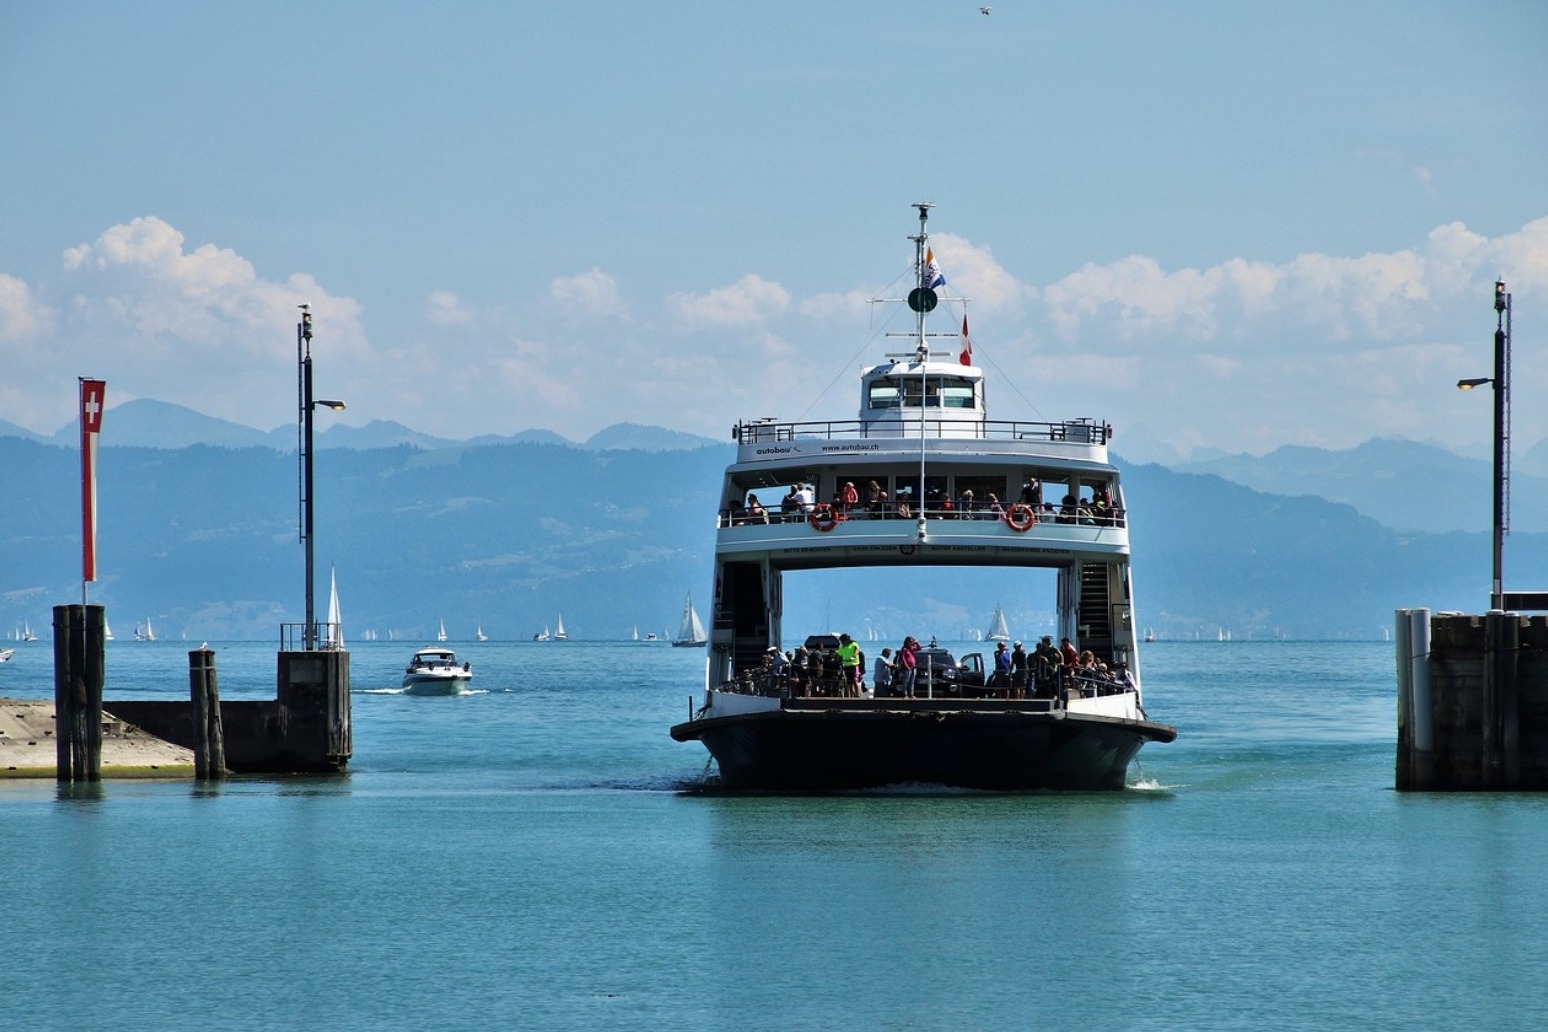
pixel 1020 516
pixel 823 518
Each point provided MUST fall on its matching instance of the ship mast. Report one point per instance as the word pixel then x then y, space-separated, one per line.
pixel 922 300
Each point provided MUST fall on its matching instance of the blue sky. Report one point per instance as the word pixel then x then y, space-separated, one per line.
pixel 1218 225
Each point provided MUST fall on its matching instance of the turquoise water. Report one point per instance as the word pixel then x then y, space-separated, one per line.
pixel 523 857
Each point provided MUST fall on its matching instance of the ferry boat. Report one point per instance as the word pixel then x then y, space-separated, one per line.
pixel 954 489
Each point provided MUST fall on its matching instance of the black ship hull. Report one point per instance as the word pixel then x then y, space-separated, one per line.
pixel 940 742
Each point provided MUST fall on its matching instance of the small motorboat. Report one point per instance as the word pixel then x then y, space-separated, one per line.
pixel 435 671
pixel 6 654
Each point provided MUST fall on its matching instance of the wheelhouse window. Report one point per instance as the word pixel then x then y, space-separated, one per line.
pixel 958 392
pixel 885 394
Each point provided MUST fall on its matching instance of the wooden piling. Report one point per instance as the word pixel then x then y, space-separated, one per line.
pixel 78 676
pixel 209 739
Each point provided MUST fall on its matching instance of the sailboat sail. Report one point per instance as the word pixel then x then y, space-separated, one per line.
pixel 997 629
pixel 440 635
pixel 692 630
pixel 559 634
pixel 334 636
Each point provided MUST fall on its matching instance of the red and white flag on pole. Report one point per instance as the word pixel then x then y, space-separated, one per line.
pixel 967 343
pixel 92 394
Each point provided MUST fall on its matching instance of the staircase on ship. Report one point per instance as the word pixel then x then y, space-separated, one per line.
pixel 1101 609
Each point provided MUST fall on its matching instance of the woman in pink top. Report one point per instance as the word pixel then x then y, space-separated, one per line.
pixel 907 667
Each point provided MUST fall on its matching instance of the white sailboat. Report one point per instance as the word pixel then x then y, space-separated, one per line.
pixel 691 633
pixel 479 634
pixel 559 634
pixel 997 630
pixel 440 635
pixel 333 637
pixel 26 634
pixel 542 636
pixel 107 631
pixel 150 633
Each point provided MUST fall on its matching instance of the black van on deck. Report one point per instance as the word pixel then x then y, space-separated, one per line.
pixel 941 673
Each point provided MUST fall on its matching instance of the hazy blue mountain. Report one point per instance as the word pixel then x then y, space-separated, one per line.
pixel 634 437
pixel 146 423
pixel 328 432
pixel 1405 485
pixel 1533 461
pixel 204 541
pixel 8 429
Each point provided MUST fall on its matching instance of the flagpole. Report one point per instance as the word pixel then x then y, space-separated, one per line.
pixel 92 395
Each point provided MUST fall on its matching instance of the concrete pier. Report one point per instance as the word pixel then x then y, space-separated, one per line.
pixel 1472 701
pixel 28 750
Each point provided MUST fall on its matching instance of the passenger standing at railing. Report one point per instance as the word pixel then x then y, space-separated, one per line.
pixel 995 510
pixel 966 505
pixel 790 505
pixel 848 497
pixel 806 497
pixel 1018 671
pixel 1002 666
pixel 1067 654
pixel 881 677
pixel 1045 665
pixel 875 500
pixel 1102 505
pixel 1032 493
pixel 849 666
pixel 756 513
pixel 907 667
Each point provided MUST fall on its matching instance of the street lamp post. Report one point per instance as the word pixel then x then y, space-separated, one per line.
pixel 307 404
pixel 1501 383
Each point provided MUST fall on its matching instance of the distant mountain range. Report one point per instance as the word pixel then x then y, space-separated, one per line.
pixel 610 534
pixel 145 423
pixel 1401 484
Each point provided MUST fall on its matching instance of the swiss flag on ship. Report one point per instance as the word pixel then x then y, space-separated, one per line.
pixel 967 343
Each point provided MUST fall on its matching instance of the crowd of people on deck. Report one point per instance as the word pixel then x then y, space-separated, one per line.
pixel 850 502
pixel 839 670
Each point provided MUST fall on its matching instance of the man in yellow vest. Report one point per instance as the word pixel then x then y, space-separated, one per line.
pixel 849 659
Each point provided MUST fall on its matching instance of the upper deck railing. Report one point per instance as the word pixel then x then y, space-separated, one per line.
pixel 1075 431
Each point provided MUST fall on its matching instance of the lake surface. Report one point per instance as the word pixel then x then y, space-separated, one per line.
pixel 526 856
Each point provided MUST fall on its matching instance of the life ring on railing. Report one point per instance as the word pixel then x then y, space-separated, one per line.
pixel 1020 516
pixel 823 518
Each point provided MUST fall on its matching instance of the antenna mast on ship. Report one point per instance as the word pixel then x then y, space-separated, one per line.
pixel 922 298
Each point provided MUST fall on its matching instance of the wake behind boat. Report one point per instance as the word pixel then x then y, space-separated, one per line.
pixel 943 486
pixel 434 671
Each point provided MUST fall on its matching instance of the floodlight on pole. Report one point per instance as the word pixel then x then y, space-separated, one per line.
pixel 1501 382
pixel 307 405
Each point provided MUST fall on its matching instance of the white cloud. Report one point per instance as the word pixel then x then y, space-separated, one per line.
pixel 750 301
pixel 972 272
pixel 22 317
pixel 1243 354
pixel 592 294
pixel 445 309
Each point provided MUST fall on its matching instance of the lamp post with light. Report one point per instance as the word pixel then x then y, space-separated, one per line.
pixel 307 404
pixel 1501 382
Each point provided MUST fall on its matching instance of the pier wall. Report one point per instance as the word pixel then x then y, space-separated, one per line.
pixel 305 730
pixel 1472 702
